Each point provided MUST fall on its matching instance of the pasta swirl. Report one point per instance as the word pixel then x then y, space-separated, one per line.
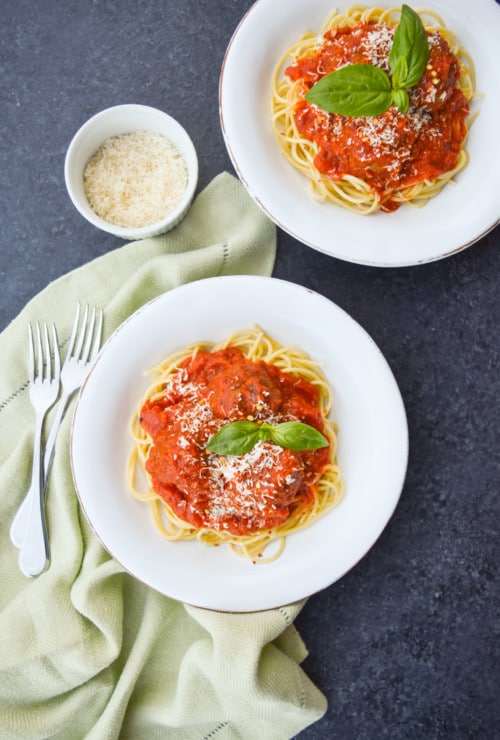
pixel 310 484
pixel 365 165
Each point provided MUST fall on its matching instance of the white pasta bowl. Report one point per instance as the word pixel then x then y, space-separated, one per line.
pixel 372 442
pixel 115 121
pixel 456 218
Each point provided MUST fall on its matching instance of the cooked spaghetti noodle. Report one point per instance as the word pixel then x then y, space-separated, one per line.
pixel 217 499
pixel 369 163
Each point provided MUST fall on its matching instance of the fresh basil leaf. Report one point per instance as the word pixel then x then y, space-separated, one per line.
pixel 354 90
pixel 399 73
pixel 365 90
pixel 235 439
pixel 401 100
pixel 410 42
pixel 240 437
pixel 294 435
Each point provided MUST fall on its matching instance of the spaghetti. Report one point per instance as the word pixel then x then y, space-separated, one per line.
pixel 246 501
pixel 369 163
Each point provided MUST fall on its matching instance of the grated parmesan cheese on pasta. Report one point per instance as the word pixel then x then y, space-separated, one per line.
pixel 135 179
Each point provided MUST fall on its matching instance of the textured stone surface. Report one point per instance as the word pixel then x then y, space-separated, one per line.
pixel 404 645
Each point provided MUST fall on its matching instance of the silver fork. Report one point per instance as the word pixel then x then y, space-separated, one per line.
pixel 44 385
pixel 77 363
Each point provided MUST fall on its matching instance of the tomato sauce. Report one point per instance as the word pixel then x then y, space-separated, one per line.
pixel 393 150
pixel 239 494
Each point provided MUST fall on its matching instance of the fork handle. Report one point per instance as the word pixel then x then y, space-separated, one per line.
pixel 34 555
pixel 20 521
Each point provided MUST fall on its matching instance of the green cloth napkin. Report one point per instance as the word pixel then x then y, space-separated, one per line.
pixel 86 651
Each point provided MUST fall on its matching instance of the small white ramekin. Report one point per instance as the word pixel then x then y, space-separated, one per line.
pixel 123 119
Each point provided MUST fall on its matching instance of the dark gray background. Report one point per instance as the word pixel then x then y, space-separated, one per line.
pixel 404 645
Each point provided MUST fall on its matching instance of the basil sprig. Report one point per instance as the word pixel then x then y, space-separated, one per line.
pixel 410 50
pixel 240 437
pixel 365 90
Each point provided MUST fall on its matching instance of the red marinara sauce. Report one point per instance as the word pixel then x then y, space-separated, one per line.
pixel 393 150
pixel 239 494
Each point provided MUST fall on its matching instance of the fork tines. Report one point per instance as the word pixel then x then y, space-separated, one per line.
pixel 52 370
pixel 90 333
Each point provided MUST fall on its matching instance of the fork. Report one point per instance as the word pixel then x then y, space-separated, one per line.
pixel 44 382
pixel 76 366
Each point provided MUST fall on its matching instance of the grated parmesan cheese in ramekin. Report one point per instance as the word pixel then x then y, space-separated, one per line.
pixel 135 179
